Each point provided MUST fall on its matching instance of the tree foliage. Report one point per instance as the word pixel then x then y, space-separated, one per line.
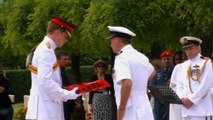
pixel 157 23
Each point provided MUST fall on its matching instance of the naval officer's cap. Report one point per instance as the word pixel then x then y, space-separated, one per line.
pixel 119 31
pixel 188 41
pixel 67 26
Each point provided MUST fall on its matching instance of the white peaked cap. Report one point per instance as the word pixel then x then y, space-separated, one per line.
pixel 120 31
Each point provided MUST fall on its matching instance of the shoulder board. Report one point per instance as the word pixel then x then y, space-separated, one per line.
pixel 206 58
pixel 48 45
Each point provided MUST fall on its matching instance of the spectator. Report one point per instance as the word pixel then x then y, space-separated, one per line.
pixel 6 108
pixel 161 110
pixel 102 102
pixel 69 106
pixel 178 57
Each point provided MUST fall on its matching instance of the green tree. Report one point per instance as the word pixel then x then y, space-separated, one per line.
pixel 159 24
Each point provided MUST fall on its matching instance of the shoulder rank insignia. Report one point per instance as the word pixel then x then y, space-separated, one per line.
pixel 48 45
pixel 196 66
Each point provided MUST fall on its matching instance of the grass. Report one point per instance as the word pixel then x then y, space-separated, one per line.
pixel 16 108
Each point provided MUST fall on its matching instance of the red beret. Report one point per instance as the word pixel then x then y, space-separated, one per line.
pixel 166 53
pixel 64 24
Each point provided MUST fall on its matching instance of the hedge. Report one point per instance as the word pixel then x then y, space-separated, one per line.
pixel 20 81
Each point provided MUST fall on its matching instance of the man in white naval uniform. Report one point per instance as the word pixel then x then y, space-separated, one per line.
pixel 46 94
pixel 131 73
pixel 195 81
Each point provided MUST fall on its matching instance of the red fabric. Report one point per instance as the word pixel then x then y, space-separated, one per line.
pixel 167 53
pixel 89 86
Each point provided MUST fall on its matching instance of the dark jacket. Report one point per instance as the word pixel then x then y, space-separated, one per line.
pixel 5 101
pixel 161 78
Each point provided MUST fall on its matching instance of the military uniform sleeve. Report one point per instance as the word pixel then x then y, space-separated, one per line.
pixel 122 70
pixel 47 80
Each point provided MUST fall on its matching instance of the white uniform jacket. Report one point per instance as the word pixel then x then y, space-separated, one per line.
pixel 131 64
pixel 196 91
pixel 46 94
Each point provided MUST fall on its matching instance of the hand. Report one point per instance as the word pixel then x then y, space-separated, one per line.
pixel 90 108
pixel 187 103
pixel 120 114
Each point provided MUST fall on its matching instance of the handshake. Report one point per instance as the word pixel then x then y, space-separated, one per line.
pixel 86 87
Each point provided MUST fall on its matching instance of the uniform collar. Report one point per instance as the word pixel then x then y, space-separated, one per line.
pixel 198 57
pixel 125 48
pixel 49 40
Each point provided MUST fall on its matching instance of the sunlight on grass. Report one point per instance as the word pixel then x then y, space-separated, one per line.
pixel 17 107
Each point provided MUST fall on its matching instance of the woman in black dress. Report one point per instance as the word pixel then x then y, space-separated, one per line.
pixel 102 102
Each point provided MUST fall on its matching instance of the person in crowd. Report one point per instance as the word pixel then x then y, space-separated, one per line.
pixel 102 102
pixel 162 78
pixel 6 108
pixel 178 57
pixel 69 106
pixel 46 94
pixel 157 64
pixel 195 82
pixel 132 71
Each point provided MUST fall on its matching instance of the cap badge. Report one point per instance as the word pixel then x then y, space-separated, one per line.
pixel 48 45
pixel 185 40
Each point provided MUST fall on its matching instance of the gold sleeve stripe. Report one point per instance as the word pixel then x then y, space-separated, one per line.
pixel 34 70
pixel 55 67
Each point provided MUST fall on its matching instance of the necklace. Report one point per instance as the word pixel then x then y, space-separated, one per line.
pixel 197 74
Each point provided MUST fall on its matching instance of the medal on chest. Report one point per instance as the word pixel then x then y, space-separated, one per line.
pixel 195 72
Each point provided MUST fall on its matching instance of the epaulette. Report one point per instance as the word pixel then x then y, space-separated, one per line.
pixel 33 68
pixel 48 45
pixel 211 58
